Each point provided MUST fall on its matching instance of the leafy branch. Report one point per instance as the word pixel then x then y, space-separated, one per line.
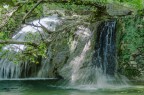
pixel 18 42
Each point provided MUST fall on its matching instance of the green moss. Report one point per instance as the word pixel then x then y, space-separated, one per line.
pixel 130 41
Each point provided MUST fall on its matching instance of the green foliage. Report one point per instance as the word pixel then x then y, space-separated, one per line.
pixel 137 4
pixel 68 6
pixel 6 32
pixel 30 54
pixel 131 49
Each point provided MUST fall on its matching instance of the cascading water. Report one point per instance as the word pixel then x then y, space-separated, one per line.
pixel 100 72
pixel 75 59
pixel 105 49
pixel 31 32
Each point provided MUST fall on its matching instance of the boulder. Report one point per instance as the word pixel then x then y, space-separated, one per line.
pixel 114 9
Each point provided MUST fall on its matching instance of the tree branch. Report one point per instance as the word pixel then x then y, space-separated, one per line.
pixel 31 10
pixel 76 2
pixel 18 42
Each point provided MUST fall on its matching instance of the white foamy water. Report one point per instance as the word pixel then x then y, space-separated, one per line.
pixel 76 63
pixel 14 47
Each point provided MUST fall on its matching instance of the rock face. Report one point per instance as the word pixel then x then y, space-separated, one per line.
pixel 117 10
pixel 79 53
pixel 61 53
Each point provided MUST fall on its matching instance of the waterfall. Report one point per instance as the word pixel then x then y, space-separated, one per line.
pixel 30 32
pixel 100 72
pixel 82 59
pixel 103 63
pixel 105 49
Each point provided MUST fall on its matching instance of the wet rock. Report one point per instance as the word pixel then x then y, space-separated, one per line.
pixel 133 63
pixel 118 10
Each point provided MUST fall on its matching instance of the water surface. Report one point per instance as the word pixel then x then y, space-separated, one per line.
pixel 47 87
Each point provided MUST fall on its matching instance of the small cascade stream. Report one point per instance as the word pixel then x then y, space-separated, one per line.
pixel 105 49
